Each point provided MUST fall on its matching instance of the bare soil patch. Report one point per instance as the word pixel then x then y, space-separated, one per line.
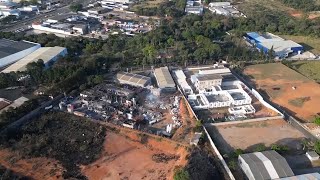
pixel 247 136
pixel 287 88
pixel 124 158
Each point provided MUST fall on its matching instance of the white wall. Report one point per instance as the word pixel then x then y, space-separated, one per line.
pixel 42 28
pixel 19 55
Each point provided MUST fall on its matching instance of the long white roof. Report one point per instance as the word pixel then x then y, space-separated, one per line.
pixel 164 78
pixel 44 53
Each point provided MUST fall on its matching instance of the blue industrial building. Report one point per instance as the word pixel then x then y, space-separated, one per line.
pixel 282 48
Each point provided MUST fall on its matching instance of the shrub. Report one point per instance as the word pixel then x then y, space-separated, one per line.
pixel 181 174
pixel 317 121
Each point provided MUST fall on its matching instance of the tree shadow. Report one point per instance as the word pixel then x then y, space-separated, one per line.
pixel 306 46
pixel 6 173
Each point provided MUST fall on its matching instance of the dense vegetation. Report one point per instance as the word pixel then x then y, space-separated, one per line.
pixel 306 5
pixel 13 114
pixel 69 139
pixel 200 166
pixel 264 19
pixel 7 174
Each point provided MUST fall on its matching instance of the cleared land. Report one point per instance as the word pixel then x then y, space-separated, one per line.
pixel 287 88
pixel 126 159
pixel 247 136
pixel 309 43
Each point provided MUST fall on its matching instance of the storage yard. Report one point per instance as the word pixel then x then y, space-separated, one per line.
pixel 287 88
pixel 249 135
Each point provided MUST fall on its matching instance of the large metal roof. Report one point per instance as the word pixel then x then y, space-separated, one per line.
pixel 9 47
pixel 130 78
pixel 208 77
pixel 267 165
pixel 164 78
pixel 44 53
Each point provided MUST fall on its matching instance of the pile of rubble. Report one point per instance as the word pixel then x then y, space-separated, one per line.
pixel 163 158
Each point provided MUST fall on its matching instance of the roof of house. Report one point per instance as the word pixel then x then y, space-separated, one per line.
pixel 44 53
pixel 164 78
pixel 9 47
pixel 267 165
pixel 208 77
pixel 132 78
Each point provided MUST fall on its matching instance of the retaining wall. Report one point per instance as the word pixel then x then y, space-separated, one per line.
pixel 246 121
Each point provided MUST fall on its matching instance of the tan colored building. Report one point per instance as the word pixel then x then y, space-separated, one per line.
pixel 206 81
pixel 164 79
pixel 133 79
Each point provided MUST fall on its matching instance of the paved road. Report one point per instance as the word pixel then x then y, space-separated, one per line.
pixel 27 22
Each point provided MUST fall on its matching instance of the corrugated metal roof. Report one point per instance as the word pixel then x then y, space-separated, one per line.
pixel 164 78
pixel 130 78
pixel 259 163
pixel 9 47
pixel 44 53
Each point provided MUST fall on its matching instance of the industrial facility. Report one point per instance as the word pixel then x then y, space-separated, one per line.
pixel 48 54
pixel 12 51
pixel 269 165
pixel 164 79
pixel 225 9
pixel 266 42
pixel 133 79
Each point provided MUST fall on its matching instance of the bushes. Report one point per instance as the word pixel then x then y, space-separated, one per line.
pixel 181 174
pixel 69 139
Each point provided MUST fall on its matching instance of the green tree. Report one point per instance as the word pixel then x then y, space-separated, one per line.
pixel 260 147
pixel 76 7
pixel 317 147
pixel 181 174
pixel 232 164
pixel 317 121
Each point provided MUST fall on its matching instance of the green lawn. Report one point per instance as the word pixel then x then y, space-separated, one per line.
pixel 310 43
pixel 310 69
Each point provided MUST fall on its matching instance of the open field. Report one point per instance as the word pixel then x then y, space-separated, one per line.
pixel 247 136
pixel 249 6
pixel 126 159
pixel 310 69
pixel 122 158
pixel 287 88
pixel 309 43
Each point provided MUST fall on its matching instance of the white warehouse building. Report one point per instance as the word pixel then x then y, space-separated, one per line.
pixel 47 54
pixel 164 79
pixel 12 51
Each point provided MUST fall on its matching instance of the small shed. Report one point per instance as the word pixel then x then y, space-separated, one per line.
pixel 312 155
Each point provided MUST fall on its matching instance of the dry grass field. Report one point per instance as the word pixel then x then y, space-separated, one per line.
pixel 287 88
pixel 247 136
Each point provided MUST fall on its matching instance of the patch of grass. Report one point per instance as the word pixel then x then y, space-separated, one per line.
pixel 310 69
pixel 244 125
pixel 299 102
pixel 274 71
pixel 310 43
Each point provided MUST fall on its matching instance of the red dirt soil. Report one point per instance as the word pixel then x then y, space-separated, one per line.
pixel 127 159
pixel 36 168
pixel 304 88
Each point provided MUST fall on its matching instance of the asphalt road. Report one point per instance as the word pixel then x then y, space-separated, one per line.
pixel 27 22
